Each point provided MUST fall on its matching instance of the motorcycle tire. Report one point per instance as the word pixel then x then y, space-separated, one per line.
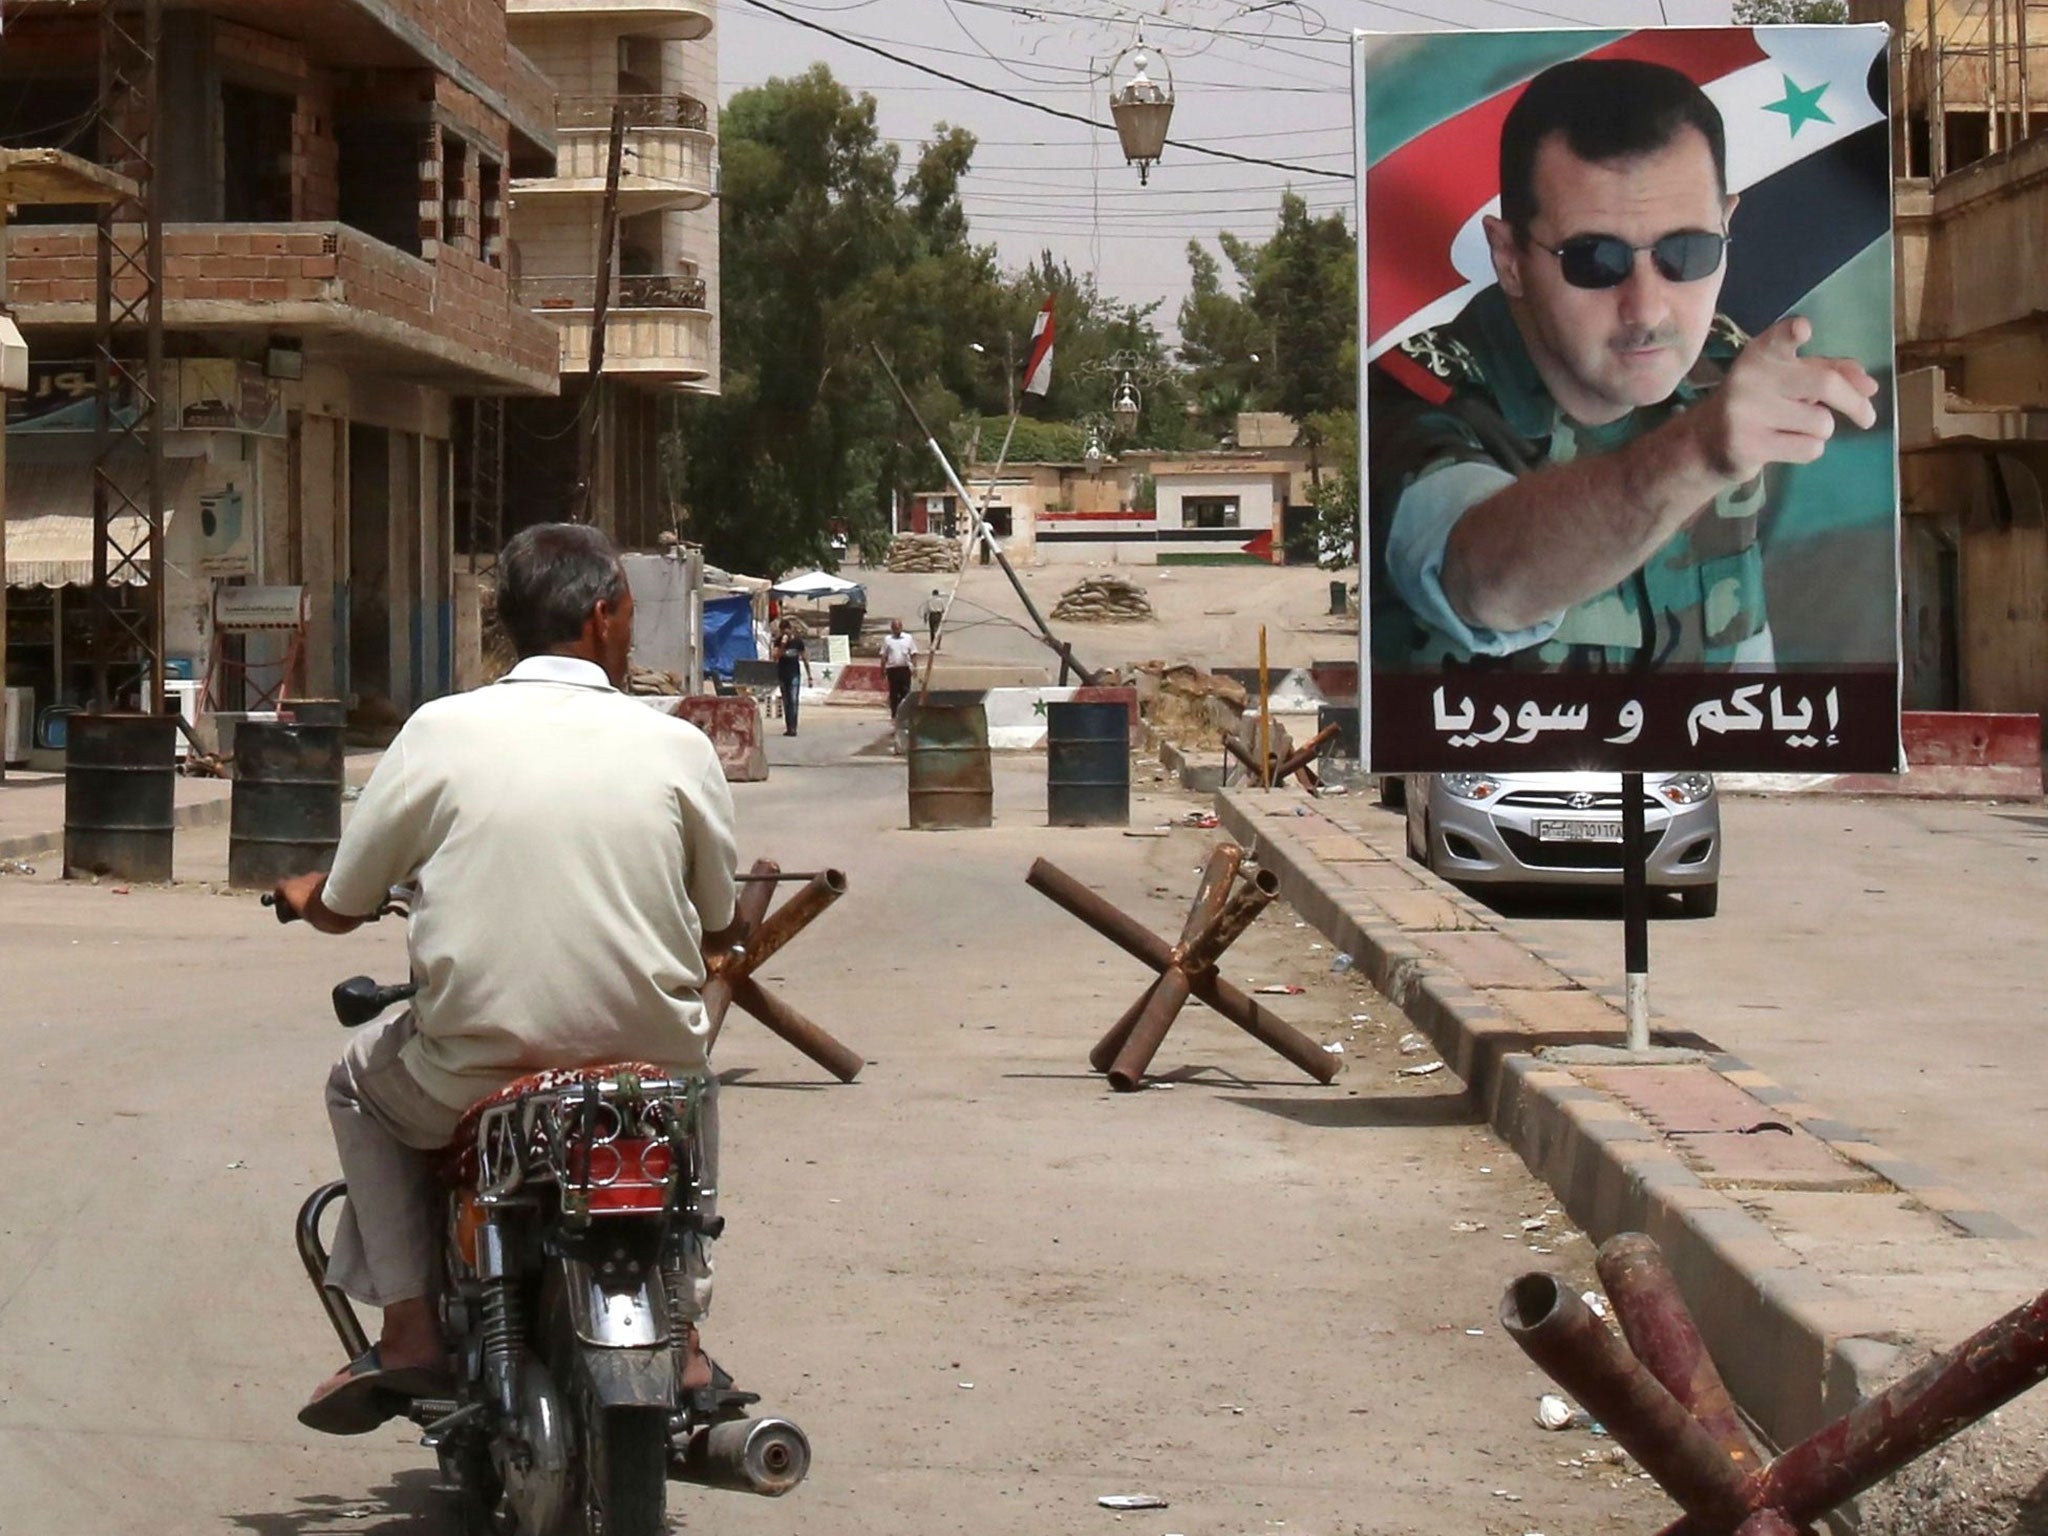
pixel 631 1471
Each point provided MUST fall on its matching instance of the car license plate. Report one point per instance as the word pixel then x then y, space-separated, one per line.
pixel 1578 831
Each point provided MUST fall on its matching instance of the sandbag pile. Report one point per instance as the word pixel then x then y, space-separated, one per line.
pixel 926 553
pixel 652 684
pixel 1103 600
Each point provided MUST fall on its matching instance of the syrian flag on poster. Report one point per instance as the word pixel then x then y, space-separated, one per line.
pixel 1797 102
pixel 1038 361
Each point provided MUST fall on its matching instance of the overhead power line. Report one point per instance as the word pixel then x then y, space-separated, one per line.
pixel 1020 101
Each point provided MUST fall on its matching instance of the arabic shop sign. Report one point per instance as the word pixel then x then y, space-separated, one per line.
pixel 201 394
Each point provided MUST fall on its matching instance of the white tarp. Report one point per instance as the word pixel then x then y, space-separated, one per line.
pixel 814 584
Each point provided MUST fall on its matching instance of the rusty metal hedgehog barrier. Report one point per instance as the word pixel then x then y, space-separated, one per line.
pixel 1222 911
pixel 1295 763
pixel 1664 1403
pixel 732 974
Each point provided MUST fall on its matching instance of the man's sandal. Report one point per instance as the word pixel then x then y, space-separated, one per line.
pixel 364 1395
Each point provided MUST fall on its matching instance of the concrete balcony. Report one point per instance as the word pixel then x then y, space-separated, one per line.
pixel 675 21
pixel 452 322
pixel 657 328
pixel 671 154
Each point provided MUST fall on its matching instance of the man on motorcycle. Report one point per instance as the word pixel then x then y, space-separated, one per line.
pixel 572 858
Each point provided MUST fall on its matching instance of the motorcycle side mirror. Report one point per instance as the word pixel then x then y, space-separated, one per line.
pixel 359 1000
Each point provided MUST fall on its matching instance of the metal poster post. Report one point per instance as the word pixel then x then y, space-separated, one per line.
pixel 1635 912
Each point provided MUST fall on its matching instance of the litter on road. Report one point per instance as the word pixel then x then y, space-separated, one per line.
pixel 1131 1501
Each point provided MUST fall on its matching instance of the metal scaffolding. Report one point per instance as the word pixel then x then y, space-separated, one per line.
pixel 1978 74
pixel 128 361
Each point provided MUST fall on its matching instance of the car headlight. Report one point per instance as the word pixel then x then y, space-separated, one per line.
pixel 1687 788
pixel 1471 786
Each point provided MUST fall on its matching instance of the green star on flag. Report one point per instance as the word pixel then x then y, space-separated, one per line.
pixel 1800 107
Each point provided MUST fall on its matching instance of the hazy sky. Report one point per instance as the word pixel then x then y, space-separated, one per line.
pixel 1264 78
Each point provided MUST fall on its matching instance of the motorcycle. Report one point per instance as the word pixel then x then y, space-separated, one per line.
pixel 573 1196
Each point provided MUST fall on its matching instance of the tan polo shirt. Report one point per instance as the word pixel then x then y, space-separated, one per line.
pixel 570 847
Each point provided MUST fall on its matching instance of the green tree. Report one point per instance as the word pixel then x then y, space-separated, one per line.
pixel 1761 13
pixel 1287 339
pixel 822 251
pixel 1220 347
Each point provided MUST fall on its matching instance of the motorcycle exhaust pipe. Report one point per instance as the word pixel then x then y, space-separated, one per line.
pixel 764 1456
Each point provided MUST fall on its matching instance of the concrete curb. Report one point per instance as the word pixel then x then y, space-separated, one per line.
pixel 1798 1340
pixel 33 845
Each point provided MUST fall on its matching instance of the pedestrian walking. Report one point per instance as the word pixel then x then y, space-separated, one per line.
pixel 899 651
pixel 792 669
pixel 934 610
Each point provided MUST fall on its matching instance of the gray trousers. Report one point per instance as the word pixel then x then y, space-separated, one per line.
pixel 387 1129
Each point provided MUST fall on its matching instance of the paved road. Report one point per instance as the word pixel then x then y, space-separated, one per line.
pixel 1885 958
pixel 1115 1277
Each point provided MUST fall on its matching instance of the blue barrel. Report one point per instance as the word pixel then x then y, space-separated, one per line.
pixel 952 780
pixel 285 818
pixel 1087 764
pixel 120 790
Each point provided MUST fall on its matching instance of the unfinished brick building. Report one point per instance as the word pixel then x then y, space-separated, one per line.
pixel 333 178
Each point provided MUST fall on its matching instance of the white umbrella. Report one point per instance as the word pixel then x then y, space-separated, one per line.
pixel 814 584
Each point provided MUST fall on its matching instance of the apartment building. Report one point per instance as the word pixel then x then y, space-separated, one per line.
pixel 333 179
pixel 656 61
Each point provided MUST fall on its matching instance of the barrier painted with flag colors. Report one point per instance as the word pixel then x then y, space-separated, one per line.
pixel 1631 475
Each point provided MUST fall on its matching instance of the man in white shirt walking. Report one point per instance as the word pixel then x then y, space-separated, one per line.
pixel 573 861
pixel 899 654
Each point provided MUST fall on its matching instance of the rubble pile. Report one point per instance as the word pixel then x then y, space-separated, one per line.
pixel 1188 706
pixel 927 553
pixel 1103 600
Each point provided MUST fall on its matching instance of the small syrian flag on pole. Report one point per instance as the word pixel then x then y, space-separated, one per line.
pixel 1038 362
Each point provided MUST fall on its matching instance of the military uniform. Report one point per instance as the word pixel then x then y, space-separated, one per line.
pixel 1468 393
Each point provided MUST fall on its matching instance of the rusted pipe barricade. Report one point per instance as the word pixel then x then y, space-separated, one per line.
pixel 1662 1400
pixel 732 974
pixel 1296 763
pixel 1221 912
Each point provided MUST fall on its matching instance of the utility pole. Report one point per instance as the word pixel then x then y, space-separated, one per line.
pixel 593 386
pixel 128 529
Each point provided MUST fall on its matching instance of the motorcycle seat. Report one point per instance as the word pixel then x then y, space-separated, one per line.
pixel 456 1166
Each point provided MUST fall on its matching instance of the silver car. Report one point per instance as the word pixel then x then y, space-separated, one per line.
pixel 1564 829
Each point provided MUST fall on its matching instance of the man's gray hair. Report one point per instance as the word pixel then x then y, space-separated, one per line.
pixel 551 577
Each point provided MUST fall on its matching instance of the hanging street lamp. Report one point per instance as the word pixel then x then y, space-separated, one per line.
pixel 1126 406
pixel 1142 108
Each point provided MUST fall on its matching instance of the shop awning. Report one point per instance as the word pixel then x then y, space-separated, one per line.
pixel 49 526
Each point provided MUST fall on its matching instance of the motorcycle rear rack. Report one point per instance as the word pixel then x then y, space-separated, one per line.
pixel 313 1254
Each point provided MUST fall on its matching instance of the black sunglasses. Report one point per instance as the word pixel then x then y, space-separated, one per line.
pixel 1605 261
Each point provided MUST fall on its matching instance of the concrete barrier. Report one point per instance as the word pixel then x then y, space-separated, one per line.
pixel 734 726
pixel 1957 755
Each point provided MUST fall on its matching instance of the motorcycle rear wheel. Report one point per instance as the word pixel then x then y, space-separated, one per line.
pixel 628 1472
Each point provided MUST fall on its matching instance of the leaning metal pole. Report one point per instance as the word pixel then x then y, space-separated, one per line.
pixel 128 528
pixel 1059 647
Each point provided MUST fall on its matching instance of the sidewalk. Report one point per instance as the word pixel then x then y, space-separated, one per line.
pixel 1819 1266
pixel 32 805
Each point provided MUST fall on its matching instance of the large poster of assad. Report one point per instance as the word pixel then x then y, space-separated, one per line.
pixel 1631 498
